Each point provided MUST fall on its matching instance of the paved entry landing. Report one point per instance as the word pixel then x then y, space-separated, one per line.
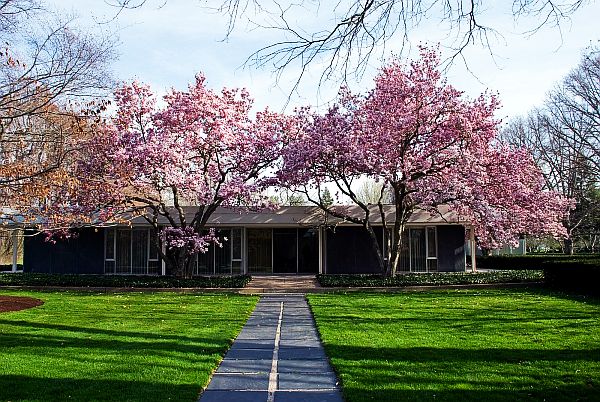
pixel 278 357
pixel 281 284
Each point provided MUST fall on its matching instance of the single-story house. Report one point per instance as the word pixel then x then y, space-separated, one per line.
pixel 289 240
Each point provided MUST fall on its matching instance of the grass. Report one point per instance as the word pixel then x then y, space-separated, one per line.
pixel 492 345
pixel 134 346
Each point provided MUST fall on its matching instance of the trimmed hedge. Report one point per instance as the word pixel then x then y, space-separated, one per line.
pixel 439 278
pixel 578 273
pixel 533 261
pixel 122 281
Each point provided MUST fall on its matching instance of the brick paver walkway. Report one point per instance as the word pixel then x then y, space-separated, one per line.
pixel 277 357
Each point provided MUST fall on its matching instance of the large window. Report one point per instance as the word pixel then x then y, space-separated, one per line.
pixel 130 251
pixel 224 259
pixel 422 249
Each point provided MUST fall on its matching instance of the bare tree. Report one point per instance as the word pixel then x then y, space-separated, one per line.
pixel 564 137
pixel 52 78
pixel 358 30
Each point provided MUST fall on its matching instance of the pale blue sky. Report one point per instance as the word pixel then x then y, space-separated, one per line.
pixel 165 46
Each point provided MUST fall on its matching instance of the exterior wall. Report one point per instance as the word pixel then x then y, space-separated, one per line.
pixel 349 251
pixel 451 248
pixel 345 249
pixel 81 255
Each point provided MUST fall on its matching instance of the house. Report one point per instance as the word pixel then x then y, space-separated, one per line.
pixel 289 240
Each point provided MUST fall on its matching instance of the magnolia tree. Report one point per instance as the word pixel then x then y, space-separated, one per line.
pixel 201 150
pixel 427 145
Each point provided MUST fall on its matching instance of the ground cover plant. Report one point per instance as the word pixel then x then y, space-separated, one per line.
pixel 467 345
pixel 437 278
pixel 134 346
pixel 129 281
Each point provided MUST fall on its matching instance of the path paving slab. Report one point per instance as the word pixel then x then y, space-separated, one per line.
pixel 234 396
pixel 308 396
pixel 239 382
pixel 278 356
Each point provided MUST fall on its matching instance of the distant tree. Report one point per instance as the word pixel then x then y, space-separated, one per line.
pixel 325 197
pixel 295 200
pixel 372 192
pixel 201 150
pixel 421 138
pixel 563 137
pixel 51 77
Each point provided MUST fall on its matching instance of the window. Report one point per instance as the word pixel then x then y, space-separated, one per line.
pixel 224 259
pixel 423 249
pixel 130 251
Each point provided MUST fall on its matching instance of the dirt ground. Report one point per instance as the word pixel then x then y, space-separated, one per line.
pixel 16 303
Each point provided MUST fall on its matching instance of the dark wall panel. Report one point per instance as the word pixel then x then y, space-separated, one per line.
pixel 451 248
pixel 81 255
pixel 349 251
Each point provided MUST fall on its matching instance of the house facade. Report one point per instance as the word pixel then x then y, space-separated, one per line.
pixel 290 240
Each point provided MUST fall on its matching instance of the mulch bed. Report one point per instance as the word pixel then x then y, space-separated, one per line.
pixel 16 303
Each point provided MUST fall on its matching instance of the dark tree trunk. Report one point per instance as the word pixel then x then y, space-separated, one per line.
pixel 376 248
pixel 568 246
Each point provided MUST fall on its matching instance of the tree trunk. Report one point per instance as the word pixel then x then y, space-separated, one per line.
pixel 377 248
pixel 179 263
pixel 568 246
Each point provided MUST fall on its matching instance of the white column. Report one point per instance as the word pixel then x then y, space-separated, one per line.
pixel 321 238
pixel 473 249
pixel 15 254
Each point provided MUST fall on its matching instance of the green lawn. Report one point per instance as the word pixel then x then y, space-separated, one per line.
pixel 493 345
pixel 146 347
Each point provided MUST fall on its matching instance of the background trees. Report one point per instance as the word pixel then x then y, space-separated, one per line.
pixel 430 147
pixel 564 138
pixel 180 162
pixel 52 75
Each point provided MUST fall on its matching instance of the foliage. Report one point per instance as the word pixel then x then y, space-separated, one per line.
pixel 123 281
pixel 50 73
pixel 475 345
pixel 534 261
pixel 116 347
pixel 202 150
pixel 426 279
pixel 431 148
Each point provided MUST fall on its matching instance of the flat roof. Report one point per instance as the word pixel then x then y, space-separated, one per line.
pixel 311 216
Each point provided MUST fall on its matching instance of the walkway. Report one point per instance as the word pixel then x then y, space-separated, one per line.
pixel 281 284
pixel 277 357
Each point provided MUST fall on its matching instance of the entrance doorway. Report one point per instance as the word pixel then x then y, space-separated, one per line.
pixel 283 251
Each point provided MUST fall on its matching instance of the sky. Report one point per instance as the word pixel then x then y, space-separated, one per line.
pixel 166 42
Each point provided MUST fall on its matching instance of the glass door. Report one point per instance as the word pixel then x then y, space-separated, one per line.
pixel 260 251
pixel 285 251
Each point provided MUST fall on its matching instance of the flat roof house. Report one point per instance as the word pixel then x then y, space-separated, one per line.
pixel 289 240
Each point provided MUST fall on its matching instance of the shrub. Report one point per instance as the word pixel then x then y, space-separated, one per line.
pixel 530 261
pixel 122 281
pixel 439 278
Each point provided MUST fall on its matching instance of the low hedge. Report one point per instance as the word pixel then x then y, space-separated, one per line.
pixel 439 278
pixel 122 281
pixel 533 261
pixel 581 276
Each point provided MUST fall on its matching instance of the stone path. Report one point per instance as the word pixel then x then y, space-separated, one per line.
pixel 281 284
pixel 277 357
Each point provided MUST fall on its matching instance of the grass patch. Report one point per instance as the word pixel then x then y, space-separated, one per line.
pixel 122 281
pixel 439 278
pixel 491 345
pixel 85 346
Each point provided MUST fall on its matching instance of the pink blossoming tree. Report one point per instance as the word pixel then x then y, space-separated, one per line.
pixel 201 150
pixel 428 146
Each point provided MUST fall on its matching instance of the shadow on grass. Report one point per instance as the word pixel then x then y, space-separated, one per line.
pixel 450 374
pixel 97 331
pixel 19 387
